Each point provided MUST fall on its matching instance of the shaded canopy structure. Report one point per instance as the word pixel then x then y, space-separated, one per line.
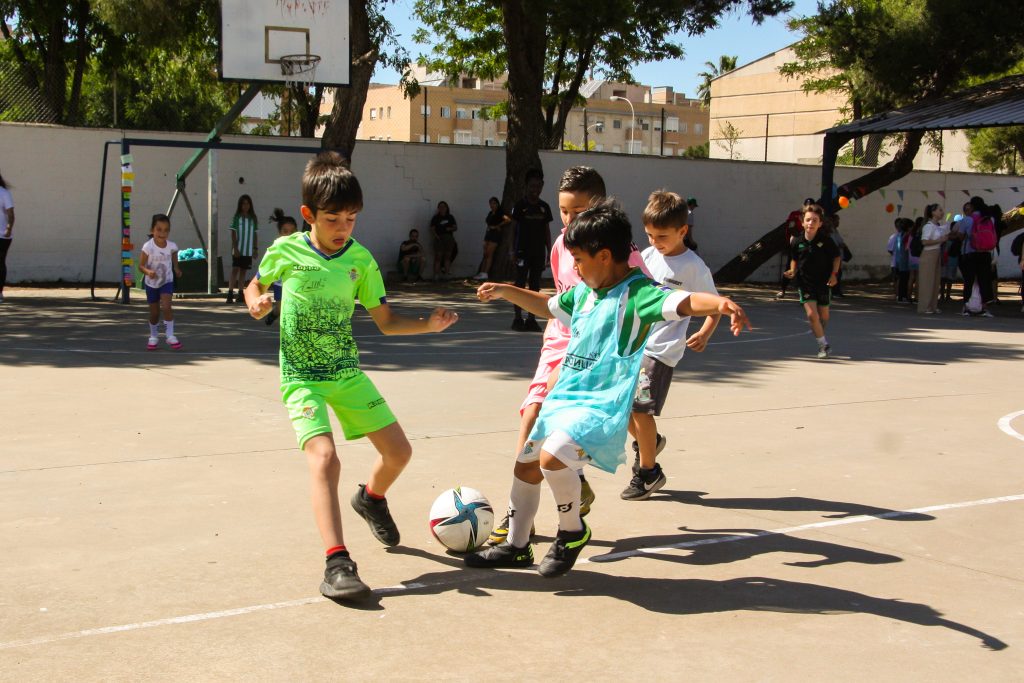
pixel 989 105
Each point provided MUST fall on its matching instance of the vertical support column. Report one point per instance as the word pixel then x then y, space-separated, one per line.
pixel 127 262
pixel 212 273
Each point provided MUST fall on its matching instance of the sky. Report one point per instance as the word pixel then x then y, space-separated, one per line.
pixel 737 36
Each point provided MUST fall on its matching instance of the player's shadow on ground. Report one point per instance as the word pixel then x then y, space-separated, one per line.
pixel 721 546
pixel 692 596
pixel 841 510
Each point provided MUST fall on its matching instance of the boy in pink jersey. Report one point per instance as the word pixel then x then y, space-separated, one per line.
pixel 578 189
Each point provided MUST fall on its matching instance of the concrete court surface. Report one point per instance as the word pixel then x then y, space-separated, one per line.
pixel 847 519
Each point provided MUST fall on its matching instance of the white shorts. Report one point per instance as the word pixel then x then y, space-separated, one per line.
pixel 558 444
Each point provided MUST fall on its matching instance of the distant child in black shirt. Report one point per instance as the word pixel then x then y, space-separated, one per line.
pixel 531 215
pixel 410 257
pixel 814 262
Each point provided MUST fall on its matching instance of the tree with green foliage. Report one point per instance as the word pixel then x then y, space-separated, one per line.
pixel 730 138
pixel 549 48
pixel 701 151
pixel 997 150
pixel 884 54
pixel 724 66
pixel 372 40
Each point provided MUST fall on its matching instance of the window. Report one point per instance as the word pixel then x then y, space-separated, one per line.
pixel 424 110
pixel 617 149
pixel 446 112
pixel 682 127
pixel 476 139
pixel 444 140
pixel 475 113
pixel 671 124
pixel 389 138
pixel 489 142
pixel 598 148
pixel 463 137
pixel 618 93
pixel 635 147
pixel 616 123
pixel 469 83
pixel 389 112
pixel 380 112
pixel 461 113
pixel 422 139
pixel 698 128
pixel 373 114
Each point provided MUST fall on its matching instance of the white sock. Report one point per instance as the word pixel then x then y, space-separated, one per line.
pixel 169 327
pixel 822 341
pixel 522 509
pixel 565 487
pixel 154 330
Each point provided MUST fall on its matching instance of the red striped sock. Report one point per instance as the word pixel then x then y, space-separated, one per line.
pixel 373 496
pixel 335 549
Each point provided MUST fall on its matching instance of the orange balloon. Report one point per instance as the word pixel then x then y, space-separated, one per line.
pixel 889 208
pixel 844 202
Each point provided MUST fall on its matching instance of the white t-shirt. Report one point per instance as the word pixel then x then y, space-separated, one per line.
pixel 687 272
pixel 933 231
pixel 6 202
pixel 159 260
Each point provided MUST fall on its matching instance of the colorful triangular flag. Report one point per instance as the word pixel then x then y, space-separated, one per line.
pixel 925 193
pixel 899 209
pixel 882 192
pixel 900 194
pixel 966 192
pixel 1014 188
pixel 942 193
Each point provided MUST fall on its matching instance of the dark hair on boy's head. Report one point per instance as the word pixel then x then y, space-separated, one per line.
pixel 582 179
pixel 666 210
pixel 159 218
pixel 603 226
pixel 977 204
pixel 820 213
pixel 278 217
pixel 245 198
pixel 328 184
pixel 534 173
pixel 495 200
pixel 928 210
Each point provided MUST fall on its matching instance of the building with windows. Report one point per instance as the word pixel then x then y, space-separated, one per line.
pixel 757 114
pixel 617 117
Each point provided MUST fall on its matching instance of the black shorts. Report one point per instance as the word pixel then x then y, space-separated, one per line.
pixel 652 389
pixel 493 235
pixel 243 262
pixel 821 294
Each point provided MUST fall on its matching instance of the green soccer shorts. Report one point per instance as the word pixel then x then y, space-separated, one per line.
pixel 355 401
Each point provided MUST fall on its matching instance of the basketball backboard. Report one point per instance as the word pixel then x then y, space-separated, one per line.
pixel 255 34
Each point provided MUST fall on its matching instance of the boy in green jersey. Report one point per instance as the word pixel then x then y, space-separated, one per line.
pixel 323 273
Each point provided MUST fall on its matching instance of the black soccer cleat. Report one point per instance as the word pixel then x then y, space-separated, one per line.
pixel 563 552
pixel 644 483
pixel 502 555
pixel 377 515
pixel 341 582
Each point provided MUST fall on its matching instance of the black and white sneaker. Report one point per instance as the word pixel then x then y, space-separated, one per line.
pixel 563 552
pixel 824 351
pixel 502 555
pixel 341 582
pixel 661 442
pixel 377 515
pixel 644 483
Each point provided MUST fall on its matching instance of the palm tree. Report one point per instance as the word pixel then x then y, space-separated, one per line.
pixel 725 65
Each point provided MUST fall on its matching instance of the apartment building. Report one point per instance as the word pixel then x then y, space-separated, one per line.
pixel 758 114
pixel 617 117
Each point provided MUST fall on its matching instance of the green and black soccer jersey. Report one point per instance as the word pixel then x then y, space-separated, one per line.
pixel 319 292
pixel 814 259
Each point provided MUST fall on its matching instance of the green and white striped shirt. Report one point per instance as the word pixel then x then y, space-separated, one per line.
pixel 245 229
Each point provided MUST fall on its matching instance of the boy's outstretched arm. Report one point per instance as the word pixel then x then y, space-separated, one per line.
pixel 532 302
pixel 390 322
pixel 702 303
pixel 258 299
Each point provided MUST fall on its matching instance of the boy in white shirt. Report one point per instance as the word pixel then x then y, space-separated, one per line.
pixel 671 263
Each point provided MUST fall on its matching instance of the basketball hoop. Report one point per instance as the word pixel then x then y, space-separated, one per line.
pixel 299 70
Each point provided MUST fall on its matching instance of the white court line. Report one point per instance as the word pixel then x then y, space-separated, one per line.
pixel 1004 424
pixel 470 576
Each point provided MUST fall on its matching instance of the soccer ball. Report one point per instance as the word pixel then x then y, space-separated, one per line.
pixel 461 519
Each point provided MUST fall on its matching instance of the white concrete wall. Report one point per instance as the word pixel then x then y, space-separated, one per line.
pixel 54 177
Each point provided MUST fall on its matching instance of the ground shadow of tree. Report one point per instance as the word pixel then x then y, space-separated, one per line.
pixel 841 509
pixel 686 596
pixel 722 546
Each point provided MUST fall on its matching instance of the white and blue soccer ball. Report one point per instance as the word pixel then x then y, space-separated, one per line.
pixel 461 519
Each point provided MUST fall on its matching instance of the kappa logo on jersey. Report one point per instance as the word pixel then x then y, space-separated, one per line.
pixel 309 412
